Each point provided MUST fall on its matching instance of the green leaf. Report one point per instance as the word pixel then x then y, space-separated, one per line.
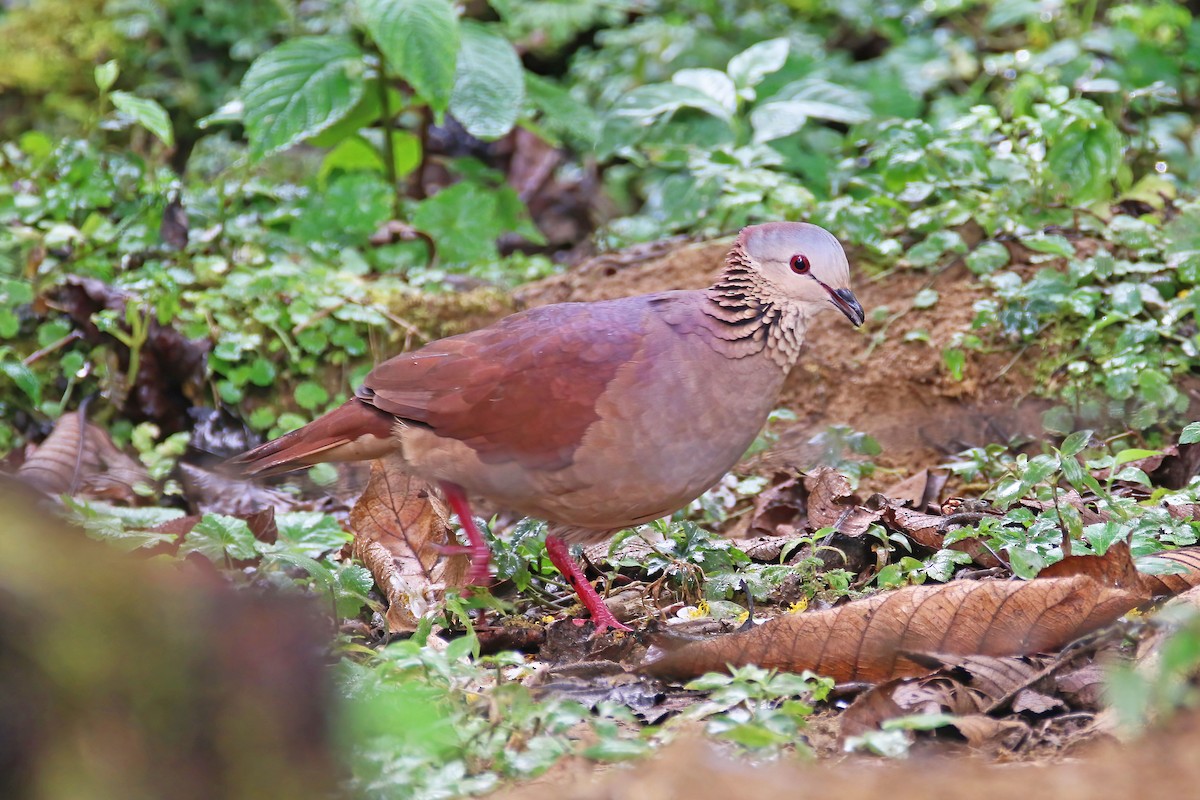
pixel 311 396
pixel 354 154
pixel 987 258
pixel 926 298
pixel 1191 433
pixel 420 41
pixel 298 89
pixel 713 83
pixel 1083 159
pixel 106 75
pixel 562 114
pixel 1133 454
pixel 646 103
pixel 217 536
pixel 489 84
pixel 749 67
pixel 310 532
pixel 1073 445
pixel 25 379
pixel 148 113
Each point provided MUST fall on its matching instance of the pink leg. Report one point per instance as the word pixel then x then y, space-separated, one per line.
pixel 481 558
pixel 560 556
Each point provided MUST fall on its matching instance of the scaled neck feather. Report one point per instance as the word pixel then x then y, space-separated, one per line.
pixel 754 317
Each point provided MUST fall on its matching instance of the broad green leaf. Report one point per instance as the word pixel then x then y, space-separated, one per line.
pixel 823 99
pixel 771 121
pixel 712 82
pixel 489 84
pixel 1083 159
pixel 298 89
pixel 354 154
pixel 310 395
pixel 148 113
pixel 749 67
pixel 645 104
pixel 420 40
pixel 1191 433
pixel 217 536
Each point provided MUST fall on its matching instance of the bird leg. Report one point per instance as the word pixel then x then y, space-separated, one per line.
pixel 481 557
pixel 560 556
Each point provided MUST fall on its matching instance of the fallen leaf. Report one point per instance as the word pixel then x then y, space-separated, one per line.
pixel 867 640
pixel 926 530
pixel 1187 557
pixel 919 490
pixel 79 458
pixel 1114 568
pixel 779 510
pixel 398 525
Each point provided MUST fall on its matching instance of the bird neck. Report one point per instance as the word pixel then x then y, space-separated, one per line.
pixel 755 318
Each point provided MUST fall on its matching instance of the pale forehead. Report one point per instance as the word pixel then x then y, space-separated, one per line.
pixel 779 241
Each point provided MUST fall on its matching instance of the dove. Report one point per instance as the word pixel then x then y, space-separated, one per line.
pixel 594 417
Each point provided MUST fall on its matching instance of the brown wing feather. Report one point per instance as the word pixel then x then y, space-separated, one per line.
pixel 524 389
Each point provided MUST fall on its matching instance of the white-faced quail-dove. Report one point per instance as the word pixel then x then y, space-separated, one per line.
pixel 592 416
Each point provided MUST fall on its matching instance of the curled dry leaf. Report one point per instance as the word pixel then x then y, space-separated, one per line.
pixel 867 640
pixel 398 526
pixel 79 458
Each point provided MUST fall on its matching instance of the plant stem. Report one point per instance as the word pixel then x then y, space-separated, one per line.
pixel 389 148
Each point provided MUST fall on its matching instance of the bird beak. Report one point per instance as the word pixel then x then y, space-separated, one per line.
pixel 845 302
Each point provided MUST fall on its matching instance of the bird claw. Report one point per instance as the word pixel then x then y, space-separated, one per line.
pixel 604 623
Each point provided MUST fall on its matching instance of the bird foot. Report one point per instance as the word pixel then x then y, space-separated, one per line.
pixel 605 622
pixel 560 556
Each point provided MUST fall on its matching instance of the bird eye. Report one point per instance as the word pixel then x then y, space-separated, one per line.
pixel 800 264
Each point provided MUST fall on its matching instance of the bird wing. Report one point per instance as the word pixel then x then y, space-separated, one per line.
pixel 524 389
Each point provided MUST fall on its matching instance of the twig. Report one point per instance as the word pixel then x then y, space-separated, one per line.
pixel 37 355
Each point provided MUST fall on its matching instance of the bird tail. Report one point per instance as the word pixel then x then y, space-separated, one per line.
pixel 355 431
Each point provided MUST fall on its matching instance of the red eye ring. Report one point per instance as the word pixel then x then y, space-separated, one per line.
pixel 800 264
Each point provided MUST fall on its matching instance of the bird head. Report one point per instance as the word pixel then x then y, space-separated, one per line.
pixel 802 262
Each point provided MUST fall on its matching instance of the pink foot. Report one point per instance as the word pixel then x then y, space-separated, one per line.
pixel 560 556
pixel 480 573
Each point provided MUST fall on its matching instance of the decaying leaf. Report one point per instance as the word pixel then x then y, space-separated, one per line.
pixel 79 458
pixel 398 526
pixel 867 640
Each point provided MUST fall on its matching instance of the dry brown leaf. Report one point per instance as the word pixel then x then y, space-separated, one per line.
pixel 1083 687
pixel 919 490
pixel 829 497
pixel 988 733
pixel 398 526
pixel 867 640
pixel 1189 558
pixel 902 697
pixel 779 510
pixel 1114 568
pixel 995 677
pixel 925 530
pixel 79 458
